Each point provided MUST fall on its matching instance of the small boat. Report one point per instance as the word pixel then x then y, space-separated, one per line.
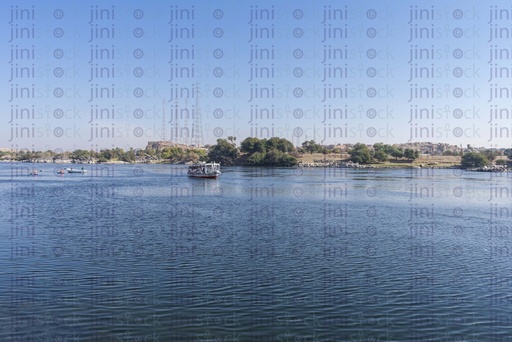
pixel 204 170
pixel 61 172
pixel 34 173
pixel 71 170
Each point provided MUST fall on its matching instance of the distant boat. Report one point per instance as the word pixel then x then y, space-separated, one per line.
pixel 71 170
pixel 61 172
pixel 34 173
pixel 204 170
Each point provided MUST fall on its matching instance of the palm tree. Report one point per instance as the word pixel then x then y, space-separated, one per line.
pixel 232 139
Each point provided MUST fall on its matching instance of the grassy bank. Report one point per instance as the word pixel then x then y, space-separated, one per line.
pixel 423 160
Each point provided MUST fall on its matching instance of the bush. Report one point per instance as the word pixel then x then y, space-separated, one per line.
pixel 473 159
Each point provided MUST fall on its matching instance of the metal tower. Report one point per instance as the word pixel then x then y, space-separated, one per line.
pixel 164 136
pixel 197 129
pixel 176 124
pixel 186 124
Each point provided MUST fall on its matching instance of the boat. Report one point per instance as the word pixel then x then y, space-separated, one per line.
pixel 72 170
pixel 61 172
pixel 204 170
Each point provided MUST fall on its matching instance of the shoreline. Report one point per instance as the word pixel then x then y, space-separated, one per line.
pixel 339 165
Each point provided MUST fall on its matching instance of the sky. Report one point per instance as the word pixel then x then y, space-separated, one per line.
pixel 103 74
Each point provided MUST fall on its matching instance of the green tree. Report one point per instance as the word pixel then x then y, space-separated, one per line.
pixel 251 145
pixel 275 157
pixel 311 146
pixel 151 152
pixel 360 153
pixel 380 155
pixel 286 146
pixel 491 153
pixel 379 146
pixel 24 155
pixel 272 152
pixel 105 154
pixel 411 154
pixel 396 152
pixel 129 156
pixel 257 158
pixel 280 144
pixel 273 143
pixel 232 139
pixel 473 159
pixel 223 152
pixel 203 154
pixel 508 152
pixel 58 156
pixel 380 152
pixel 79 155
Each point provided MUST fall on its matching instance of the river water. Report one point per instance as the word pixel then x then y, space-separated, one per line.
pixel 144 253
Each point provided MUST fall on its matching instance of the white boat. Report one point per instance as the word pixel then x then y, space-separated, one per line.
pixel 72 170
pixel 204 170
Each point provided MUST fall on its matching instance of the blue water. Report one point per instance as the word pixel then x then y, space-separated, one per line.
pixel 143 253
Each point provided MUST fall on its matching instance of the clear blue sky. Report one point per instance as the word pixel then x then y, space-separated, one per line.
pixel 100 74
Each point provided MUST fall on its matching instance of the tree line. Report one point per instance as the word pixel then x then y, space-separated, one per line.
pixel 360 153
pixel 173 154
pixel 474 159
pixel 252 151
pixel 257 152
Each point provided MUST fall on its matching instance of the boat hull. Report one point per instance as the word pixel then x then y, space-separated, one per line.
pixel 203 176
pixel 76 171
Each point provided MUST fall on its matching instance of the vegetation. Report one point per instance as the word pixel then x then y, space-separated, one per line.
pixel 176 154
pixel 380 152
pixel 411 154
pixel 261 152
pixel 473 159
pixel 271 152
pixel 312 147
pixel 360 154
pixel 508 152
pixel 396 152
pixel 223 152
pixel 491 154
pixel 171 154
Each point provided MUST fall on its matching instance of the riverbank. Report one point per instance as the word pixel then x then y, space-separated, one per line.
pixel 342 160
pixel 312 160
